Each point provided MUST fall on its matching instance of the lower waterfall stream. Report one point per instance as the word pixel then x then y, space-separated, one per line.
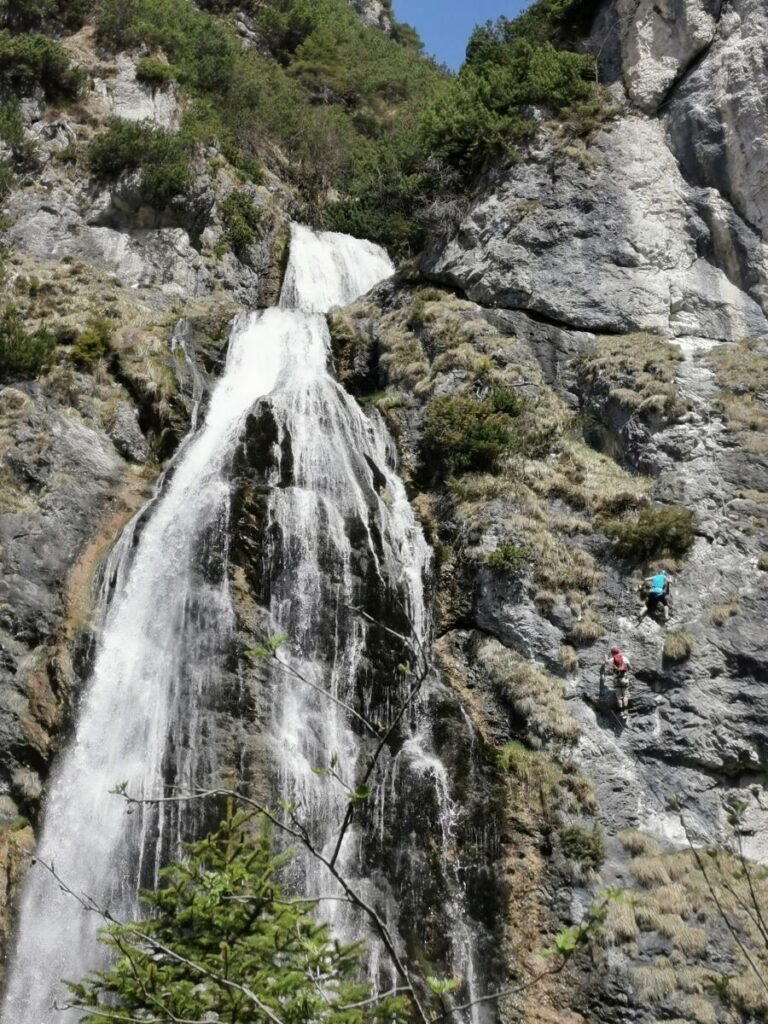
pixel 339 535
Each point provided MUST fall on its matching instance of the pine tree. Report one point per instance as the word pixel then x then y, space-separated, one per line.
pixel 223 943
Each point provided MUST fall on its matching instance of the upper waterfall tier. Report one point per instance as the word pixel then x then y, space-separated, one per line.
pixel 327 269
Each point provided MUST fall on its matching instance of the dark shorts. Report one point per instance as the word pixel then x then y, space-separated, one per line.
pixel 654 600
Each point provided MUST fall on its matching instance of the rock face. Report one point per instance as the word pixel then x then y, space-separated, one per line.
pixel 660 41
pixel 615 243
pixel 717 117
pixel 377 13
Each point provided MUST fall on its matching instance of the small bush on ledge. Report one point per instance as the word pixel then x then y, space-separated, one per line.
pixel 164 159
pixel 653 532
pixel 23 354
pixel 508 558
pixel 242 220
pixel 29 60
pixel 155 73
pixel 467 434
pixel 584 846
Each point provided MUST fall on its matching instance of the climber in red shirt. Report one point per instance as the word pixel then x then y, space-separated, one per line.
pixel 620 666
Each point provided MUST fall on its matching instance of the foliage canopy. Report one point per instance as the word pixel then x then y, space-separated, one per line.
pixel 223 943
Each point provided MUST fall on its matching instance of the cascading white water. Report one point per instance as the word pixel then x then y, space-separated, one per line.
pixel 162 644
pixel 342 527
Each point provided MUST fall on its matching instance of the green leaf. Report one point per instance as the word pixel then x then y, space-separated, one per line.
pixel 441 986
pixel 358 795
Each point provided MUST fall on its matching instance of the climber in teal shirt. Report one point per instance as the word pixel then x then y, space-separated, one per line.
pixel 657 593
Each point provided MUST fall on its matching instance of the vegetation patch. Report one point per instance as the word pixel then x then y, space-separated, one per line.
pixel 678 646
pixel 30 60
pixel 639 371
pixel 548 786
pixel 94 344
pixel 467 434
pixel 584 846
pixel 508 558
pixel 534 694
pixel 23 354
pixel 242 220
pixel 163 158
pixel 510 66
pixel 720 613
pixel 586 630
pixel 708 908
pixel 653 532
pixel 742 372
pixel 156 73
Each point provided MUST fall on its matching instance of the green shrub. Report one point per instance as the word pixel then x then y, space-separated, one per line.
pixel 242 219
pixel 12 125
pixel 483 111
pixel 586 847
pixel 508 557
pixel 93 344
pixel 7 180
pixel 23 354
pixel 466 434
pixel 156 73
pixel 654 531
pixel 31 60
pixel 28 15
pixel 163 158
pixel 507 399
pixel 355 157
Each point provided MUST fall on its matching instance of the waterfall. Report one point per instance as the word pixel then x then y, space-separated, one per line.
pixel 339 533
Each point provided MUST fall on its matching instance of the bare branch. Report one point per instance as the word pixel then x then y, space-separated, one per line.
pixel 720 908
pixel 326 693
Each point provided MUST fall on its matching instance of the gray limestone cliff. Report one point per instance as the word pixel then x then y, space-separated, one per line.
pixel 624 278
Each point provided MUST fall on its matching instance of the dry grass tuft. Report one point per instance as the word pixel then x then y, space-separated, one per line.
pixel 650 871
pixel 533 693
pixel 699 1009
pixel 655 982
pixel 762 561
pixel 635 842
pixel 587 630
pixel 678 646
pixel 620 924
pixel 677 903
pixel 640 370
pixel 569 659
pixel 742 372
pixel 721 613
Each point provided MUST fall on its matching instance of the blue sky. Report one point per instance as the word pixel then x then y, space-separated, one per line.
pixel 445 25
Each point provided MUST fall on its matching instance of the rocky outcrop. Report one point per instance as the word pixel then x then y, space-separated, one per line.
pixel 376 13
pixel 716 118
pixel 659 42
pixel 615 242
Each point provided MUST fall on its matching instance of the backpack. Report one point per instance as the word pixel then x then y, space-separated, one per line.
pixel 658 585
pixel 619 664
